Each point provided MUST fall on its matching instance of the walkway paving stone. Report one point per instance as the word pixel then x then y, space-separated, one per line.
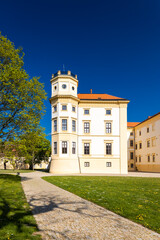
pixel 63 215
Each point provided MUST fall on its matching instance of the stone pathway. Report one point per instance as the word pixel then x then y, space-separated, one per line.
pixel 63 215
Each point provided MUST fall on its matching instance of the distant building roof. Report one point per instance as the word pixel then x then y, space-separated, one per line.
pixel 149 117
pixel 91 96
pixel 132 124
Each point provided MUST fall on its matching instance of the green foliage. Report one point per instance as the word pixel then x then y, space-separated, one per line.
pixel 34 147
pixel 16 218
pixel 21 98
pixel 135 198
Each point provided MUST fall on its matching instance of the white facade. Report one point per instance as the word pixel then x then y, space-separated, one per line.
pixel 85 137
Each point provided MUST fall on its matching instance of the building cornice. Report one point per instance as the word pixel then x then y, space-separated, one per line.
pixel 64 96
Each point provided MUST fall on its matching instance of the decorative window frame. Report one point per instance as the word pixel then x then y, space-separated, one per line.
pixel 112 145
pixel 86 141
pixel 106 111
pixel 84 121
pixel 108 121
pixel 84 111
pixel 66 118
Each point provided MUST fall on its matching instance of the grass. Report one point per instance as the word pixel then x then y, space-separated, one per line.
pixel 16 220
pixel 137 199
pixel 2 171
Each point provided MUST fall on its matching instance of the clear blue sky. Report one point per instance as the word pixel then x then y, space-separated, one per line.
pixel 113 46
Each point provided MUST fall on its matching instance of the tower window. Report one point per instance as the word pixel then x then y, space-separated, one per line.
pixel 73 125
pixel 64 124
pixel 73 88
pixel 55 108
pixel 64 107
pixel 73 109
pixel 55 147
pixel 55 125
pixel 64 147
pixel 64 86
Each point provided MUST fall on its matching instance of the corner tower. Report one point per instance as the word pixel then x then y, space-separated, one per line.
pixel 64 105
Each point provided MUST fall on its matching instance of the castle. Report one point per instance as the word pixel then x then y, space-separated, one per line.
pixel 89 131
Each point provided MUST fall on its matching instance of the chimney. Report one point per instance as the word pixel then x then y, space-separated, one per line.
pixel 149 116
pixel 90 91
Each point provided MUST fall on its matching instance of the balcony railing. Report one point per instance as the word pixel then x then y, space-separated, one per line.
pixel 69 73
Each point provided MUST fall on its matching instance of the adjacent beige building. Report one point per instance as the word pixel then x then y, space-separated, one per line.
pixel 144 155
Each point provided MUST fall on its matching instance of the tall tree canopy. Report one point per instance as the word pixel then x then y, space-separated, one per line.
pixel 21 98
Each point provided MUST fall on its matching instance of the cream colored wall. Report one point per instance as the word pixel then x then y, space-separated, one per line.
pixel 154 132
pixel 123 139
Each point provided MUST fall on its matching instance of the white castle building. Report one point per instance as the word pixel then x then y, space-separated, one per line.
pixel 89 131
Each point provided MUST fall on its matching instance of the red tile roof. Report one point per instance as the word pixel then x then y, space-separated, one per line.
pixel 132 124
pixel 90 96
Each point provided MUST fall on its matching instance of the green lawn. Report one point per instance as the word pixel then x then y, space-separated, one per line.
pixel 2 171
pixel 136 198
pixel 16 220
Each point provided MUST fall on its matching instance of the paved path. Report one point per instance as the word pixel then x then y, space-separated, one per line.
pixel 63 215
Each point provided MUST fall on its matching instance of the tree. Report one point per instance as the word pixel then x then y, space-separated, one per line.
pixel 21 98
pixel 34 147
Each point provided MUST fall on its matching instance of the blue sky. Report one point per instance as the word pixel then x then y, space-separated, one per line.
pixel 113 46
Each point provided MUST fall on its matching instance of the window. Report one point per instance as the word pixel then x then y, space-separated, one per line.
pixel 55 147
pixel 139 158
pixel 131 134
pixel 153 127
pixel 148 130
pixel 139 133
pixel 55 125
pixel 108 127
pixel 55 88
pixel 86 148
pixel 108 148
pixel 87 164
pixel 148 143
pixel 55 108
pixel 148 158
pixel 64 124
pixel 64 86
pixel 73 109
pixel 108 164
pixel 136 159
pixel 86 127
pixel 108 112
pixel 73 148
pixel 73 88
pixel 131 155
pixel 64 147
pixel 73 125
pixel 131 165
pixel 153 157
pixel 136 145
pixel 140 145
pixel 131 143
pixel 64 107
pixel 86 111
